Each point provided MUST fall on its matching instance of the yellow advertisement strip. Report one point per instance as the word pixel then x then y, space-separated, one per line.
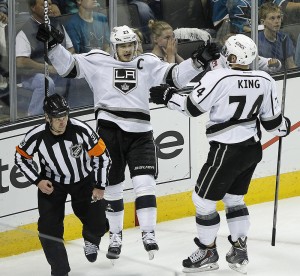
pixel 25 238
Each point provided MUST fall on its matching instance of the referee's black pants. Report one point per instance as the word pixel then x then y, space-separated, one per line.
pixel 52 212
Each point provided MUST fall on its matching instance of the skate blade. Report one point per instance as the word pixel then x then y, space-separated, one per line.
pixel 151 254
pixel 208 267
pixel 112 256
pixel 241 268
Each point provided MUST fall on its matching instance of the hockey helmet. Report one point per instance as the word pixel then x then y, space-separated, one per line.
pixel 120 35
pixel 242 46
pixel 56 106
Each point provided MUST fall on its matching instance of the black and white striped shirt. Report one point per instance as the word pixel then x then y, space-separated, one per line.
pixel 66 158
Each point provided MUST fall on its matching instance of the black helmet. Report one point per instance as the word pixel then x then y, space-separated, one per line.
pixel 56 106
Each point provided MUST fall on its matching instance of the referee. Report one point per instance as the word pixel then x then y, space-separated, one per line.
pixel 73 160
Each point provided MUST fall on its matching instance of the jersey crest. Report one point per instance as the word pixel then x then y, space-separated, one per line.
pixel 125 79
pixel 76 150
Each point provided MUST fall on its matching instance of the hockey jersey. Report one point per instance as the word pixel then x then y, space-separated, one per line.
pixel 67 158
pixel 121 89
pixel 234 99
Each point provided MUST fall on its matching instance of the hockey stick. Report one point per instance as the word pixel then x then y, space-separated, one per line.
pixel 284 42
pixel 46 60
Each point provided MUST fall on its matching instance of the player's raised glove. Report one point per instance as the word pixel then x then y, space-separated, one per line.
pixel 50 34
pixel 162 94
pixel 205 53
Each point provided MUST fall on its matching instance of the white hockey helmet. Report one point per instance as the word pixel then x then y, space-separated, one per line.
pixel 120 35
pixel 242 46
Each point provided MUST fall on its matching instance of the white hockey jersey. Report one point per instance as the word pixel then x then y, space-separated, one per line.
pixel 121 89
pixel 234 100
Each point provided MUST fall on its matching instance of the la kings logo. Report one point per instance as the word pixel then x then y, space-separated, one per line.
pixel 125 79
pixel 76 150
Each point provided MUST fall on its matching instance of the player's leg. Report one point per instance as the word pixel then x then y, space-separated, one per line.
pixel 142 162
pixel 237 214
pixel 145 203
pixel 214 179
pixel 115 215
pixel 113 195
pixel 50 226
pixel 208 223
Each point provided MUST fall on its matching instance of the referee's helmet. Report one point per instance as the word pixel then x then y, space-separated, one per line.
pixel 56 106
pixel 242 46
pixel 121 35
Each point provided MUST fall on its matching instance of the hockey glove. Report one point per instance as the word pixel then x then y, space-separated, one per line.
pixel 162 94
pixel 50 34
pixel 205 54
pixel 287 125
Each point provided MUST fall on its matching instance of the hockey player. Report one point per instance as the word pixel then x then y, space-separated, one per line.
pixel 121 98
pixel 74 161
pixel 237 99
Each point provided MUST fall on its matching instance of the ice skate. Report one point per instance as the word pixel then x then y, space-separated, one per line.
pixel 237 257
pixel 150 243
pixel 203 259
pixel 115 245
pixel 90 251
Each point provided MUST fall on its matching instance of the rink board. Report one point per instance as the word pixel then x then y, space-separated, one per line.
pixel 183 150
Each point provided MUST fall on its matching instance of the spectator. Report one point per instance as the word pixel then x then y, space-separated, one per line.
pixel 3 11
pixel 297 53
pixel 155 6
pixel 3 50
pixel 88 29
pixel 239 12
pixel 163 41
pixel 271 41
pixel 30 57
pixel 66 6
pixel 145 14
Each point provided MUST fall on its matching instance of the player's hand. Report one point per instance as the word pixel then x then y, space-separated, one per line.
pixel 205 54
pixel 287 126
pixel 161 94
pixel 50 34
pixel 98 194
pixel 45 186
pixel 273 62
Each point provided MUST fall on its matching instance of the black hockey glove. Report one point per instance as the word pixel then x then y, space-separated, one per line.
pixel 162 94
pixel 50 34
pixel 288 126
pixel 205 54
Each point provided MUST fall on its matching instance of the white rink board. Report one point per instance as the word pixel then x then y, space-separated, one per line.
pixel 184 151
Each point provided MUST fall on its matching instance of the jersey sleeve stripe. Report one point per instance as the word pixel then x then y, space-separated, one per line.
pixel 271 125
pixel 192 107
pixel 23 153
pixel 222 126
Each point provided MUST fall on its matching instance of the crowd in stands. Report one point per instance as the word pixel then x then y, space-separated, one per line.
pixel 86 25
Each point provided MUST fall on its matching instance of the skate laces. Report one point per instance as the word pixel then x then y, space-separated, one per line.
pixel 115 239
pixel 197 255
pixel 90 248
pixel 148 237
